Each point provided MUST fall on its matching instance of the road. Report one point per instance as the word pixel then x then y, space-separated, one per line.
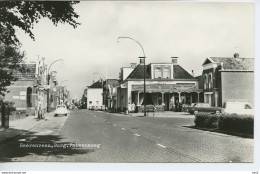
pixel 88 136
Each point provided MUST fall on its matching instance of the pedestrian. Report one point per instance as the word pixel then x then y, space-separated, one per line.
pixel 177 106
pixel 133 107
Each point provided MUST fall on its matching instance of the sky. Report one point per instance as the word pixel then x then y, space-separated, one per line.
pixel 191 31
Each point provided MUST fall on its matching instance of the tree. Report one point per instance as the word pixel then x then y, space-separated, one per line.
pixel 10 61
pixel 24 14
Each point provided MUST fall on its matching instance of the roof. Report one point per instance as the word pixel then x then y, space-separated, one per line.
pixel 231 63
pixel 138 72
pixel 97 84
pixel 178 71
pixel 112 82
pixel 28 71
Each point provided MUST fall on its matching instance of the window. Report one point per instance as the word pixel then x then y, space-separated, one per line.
pixel 166 73
pixel 205 81
pixel 29 97
pixel 90 102
pixel 157 73
pixel 97 102
pixel 210 81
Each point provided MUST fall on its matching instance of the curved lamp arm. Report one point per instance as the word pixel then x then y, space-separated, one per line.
pixel 133 40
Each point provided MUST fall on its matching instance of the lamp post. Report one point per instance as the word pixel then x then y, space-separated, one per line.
pixel 48 82
pixel 144 68
pixel 63 82
pixel 62 90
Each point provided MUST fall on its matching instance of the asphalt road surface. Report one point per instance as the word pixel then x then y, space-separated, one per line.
pixel 88 136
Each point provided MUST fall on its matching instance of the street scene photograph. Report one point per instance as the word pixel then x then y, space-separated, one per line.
pixel 127 81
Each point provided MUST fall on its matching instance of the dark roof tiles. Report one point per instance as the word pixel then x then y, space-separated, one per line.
pixel 178 71
pixel 230 63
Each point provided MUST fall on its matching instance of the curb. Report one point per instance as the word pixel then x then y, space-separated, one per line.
pixel 242 135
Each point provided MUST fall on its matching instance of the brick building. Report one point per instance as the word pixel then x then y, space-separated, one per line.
pixel 227 78
pixel 28 93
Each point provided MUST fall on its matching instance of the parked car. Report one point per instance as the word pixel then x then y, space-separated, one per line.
pixel 185 107
pixel 102 108
pixel 238 107
pixel 94 108
pixel 203 107
pixel 61 110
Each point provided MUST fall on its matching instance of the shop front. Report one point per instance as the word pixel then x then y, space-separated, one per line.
pixel 165 97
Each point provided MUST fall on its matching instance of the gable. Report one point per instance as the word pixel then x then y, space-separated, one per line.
pixel 207 61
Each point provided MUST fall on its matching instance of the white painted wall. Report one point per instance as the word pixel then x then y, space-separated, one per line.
pixel 94 95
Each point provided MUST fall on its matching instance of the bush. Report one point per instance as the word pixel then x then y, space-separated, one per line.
pixel 227 122
pixel 206 120
pixel 237 123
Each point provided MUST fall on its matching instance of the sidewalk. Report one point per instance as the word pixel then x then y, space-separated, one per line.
pixel 17 127
pixel 166 114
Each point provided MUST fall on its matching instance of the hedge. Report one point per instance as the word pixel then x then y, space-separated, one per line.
pixel 227 122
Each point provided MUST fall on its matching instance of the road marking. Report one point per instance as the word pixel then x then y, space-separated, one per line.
pixel 123 128
pixel 108 122
pixel 137 135
pixel 161 146
pixel 114 124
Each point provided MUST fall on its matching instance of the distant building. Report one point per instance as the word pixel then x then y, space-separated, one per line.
pixel 95 94
pixel 166 84
pixel 227 78
pixel 110 92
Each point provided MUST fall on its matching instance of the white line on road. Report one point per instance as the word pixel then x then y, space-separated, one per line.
pixel 137 135
pixel 162 146
pixel 114 124
pixel 123 128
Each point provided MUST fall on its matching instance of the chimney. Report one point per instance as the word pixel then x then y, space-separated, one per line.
pixel 222 65
pixel 236 55
pixel 192 73
pixel 174 60
pixel 142 60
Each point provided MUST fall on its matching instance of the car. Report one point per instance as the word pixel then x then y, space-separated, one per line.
pixel 102 108
pixel 61 110
pixel 93 108
pixel 203 107
pixel 238 107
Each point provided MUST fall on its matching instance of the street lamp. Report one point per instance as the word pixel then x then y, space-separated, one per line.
pixel 144 67
pixel 48 82
pixel 63 82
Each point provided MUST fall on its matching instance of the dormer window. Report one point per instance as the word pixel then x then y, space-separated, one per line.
pixel 157 72
pixel 166 72
pixel 162 71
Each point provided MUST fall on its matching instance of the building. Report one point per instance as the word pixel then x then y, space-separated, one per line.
pixel 53 91
pixel 166 84
pixel 95 94
pixel 227 78
pixel 28 93
pixel 110 93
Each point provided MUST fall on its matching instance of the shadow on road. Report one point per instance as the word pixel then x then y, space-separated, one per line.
pixel 31 145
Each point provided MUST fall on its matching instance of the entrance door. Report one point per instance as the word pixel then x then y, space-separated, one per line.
pixel 166 102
